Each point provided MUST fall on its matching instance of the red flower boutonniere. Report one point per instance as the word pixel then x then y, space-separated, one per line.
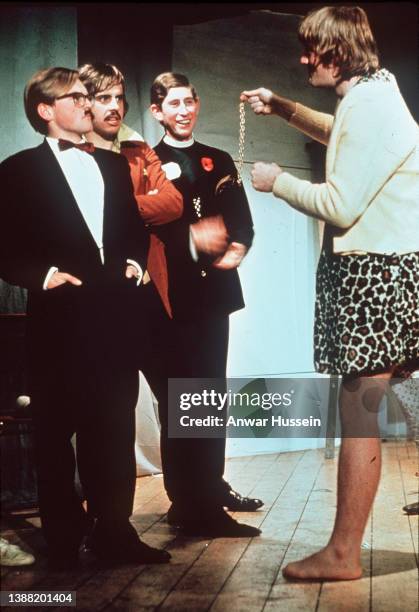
pixel 207 164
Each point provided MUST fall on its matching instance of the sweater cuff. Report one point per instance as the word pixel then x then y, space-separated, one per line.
pixel 315 124
pixel 284 186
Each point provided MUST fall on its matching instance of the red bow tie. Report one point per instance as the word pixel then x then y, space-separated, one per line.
pixel 63 145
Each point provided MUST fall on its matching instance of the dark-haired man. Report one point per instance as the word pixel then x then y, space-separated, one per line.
pixel 78 245
pixel 204 288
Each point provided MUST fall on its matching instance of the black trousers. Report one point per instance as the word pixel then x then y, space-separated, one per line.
pixel 102 415
pixel 193 468
pixel 99 406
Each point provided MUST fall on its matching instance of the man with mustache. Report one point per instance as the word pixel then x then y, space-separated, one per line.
pixel 156 199
pixel 159 203
pixel 77 243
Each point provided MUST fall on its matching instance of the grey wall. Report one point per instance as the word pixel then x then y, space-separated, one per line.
pixel 224 57
pixel 30 39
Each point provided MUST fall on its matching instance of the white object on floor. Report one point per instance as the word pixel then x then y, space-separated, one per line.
pixel 12 555
pixel 23 401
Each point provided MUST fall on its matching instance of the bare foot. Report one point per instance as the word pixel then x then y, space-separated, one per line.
pixel 327 564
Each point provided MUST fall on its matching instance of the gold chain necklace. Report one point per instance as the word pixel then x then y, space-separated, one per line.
pixel 242 133
pixel 197 206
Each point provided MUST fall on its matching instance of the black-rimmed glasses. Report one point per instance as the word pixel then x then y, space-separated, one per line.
pixel 79 98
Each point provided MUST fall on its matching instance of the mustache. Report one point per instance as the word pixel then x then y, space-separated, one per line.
pixel 113 114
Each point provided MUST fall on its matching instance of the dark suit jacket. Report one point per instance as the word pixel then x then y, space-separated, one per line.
pixel 71 329
pixel 197 289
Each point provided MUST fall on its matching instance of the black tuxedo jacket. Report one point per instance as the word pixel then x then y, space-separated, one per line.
pixel 197 289
pixel 71 328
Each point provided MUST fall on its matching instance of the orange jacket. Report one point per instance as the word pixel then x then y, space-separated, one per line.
pixel 156 210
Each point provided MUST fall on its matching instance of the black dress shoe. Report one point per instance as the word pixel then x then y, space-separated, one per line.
pixel 237 503
pixel 134 552
pixel 124 546
pixel 217 524
pixel 411 508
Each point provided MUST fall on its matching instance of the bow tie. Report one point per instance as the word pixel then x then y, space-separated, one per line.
pixel 63 145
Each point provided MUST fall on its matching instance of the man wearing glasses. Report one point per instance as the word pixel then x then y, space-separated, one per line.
pixel 71 234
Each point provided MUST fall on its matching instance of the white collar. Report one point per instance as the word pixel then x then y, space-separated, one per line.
pixel 179 144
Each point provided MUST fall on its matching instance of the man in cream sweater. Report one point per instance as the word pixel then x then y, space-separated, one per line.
pixel 370 204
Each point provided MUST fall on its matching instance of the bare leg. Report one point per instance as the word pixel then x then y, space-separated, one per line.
pixel 358 477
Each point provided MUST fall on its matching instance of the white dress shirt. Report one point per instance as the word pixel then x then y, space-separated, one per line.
pixel 86 183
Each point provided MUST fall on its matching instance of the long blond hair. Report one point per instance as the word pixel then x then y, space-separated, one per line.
pixel 342 36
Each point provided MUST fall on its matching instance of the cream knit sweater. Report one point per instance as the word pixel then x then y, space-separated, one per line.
pixel 370 199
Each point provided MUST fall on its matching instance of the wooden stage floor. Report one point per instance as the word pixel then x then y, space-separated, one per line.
pixel 242 575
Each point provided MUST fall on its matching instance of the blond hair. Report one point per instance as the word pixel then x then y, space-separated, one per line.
pixel 342 36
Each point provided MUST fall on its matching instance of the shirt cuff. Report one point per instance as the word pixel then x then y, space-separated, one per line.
pixel 50 272
pixel 138 268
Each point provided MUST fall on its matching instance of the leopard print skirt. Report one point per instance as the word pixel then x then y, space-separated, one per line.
pixel 367 313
